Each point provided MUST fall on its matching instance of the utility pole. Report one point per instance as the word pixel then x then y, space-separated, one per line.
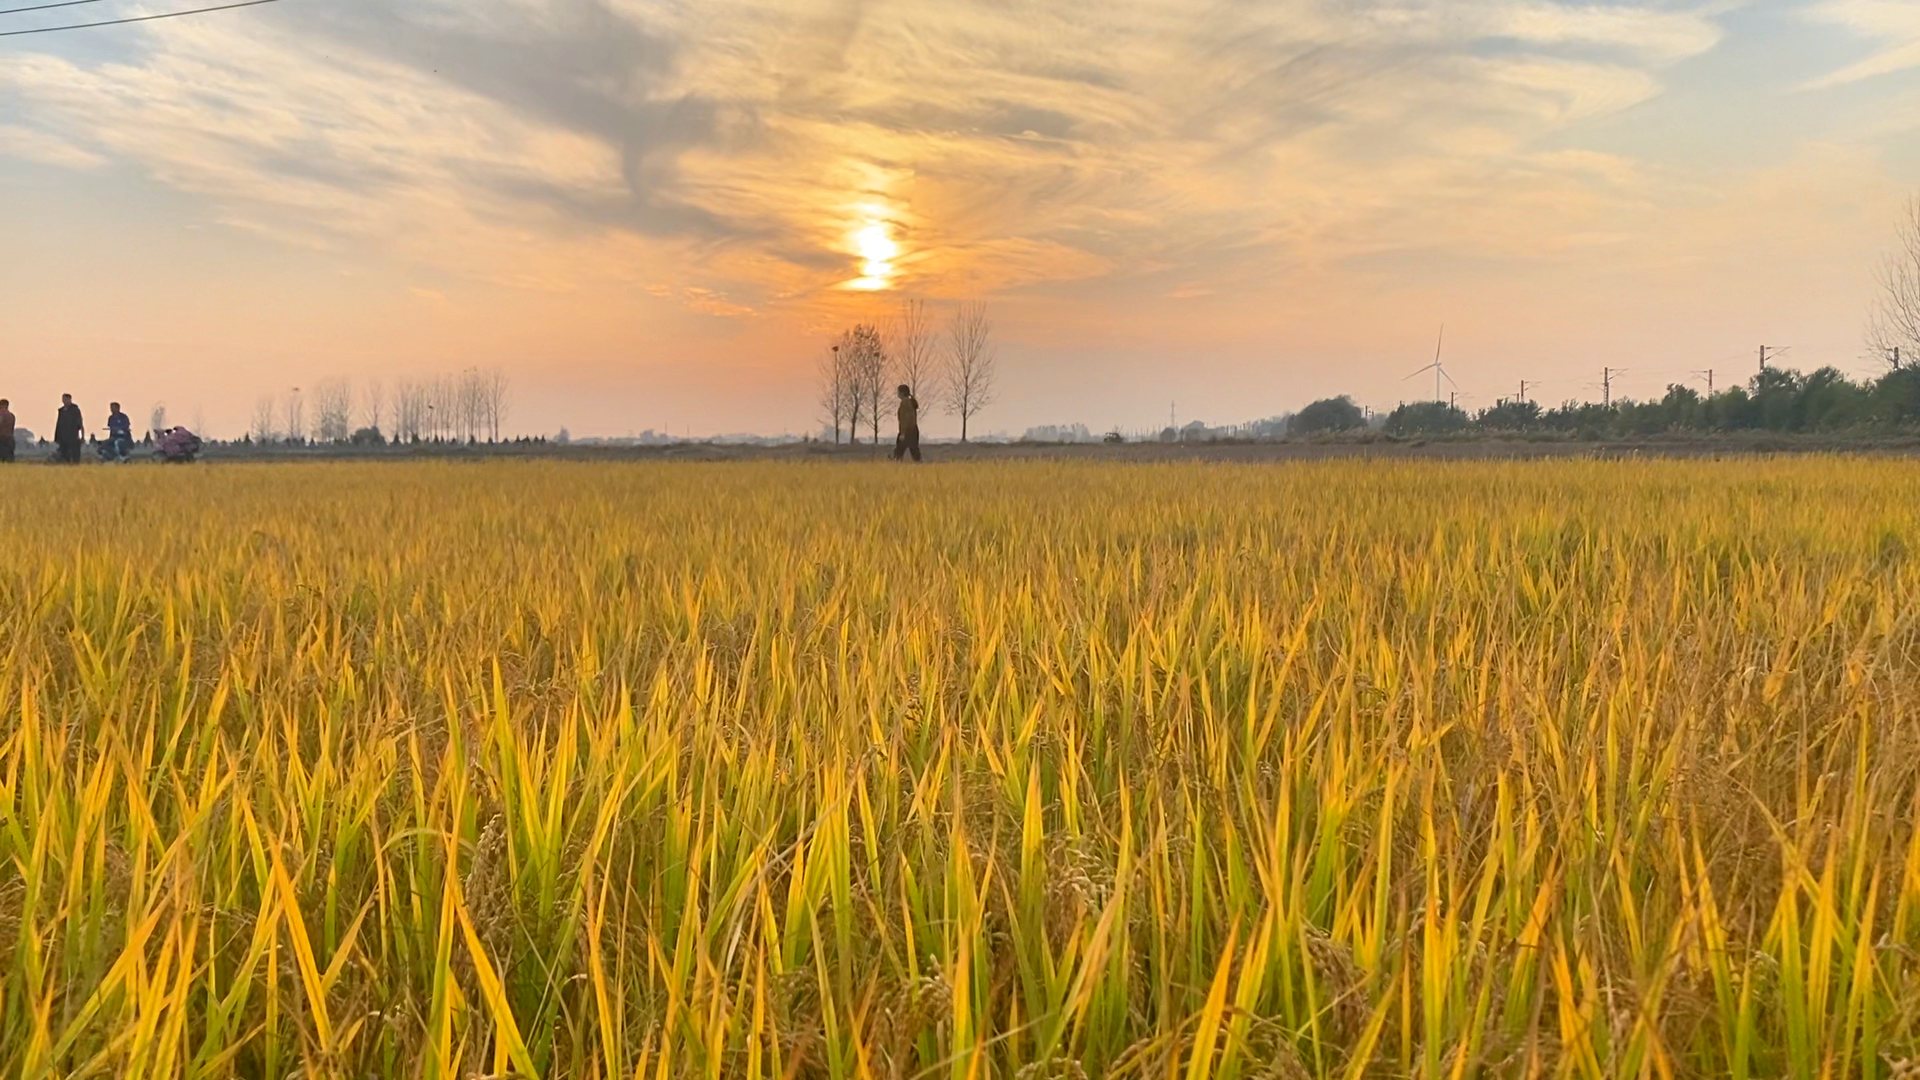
pixel 1606 387
pixel 1763 358
pixel 1896 358
pixel 1709 374
pixel 1523 392
pixel 1451 397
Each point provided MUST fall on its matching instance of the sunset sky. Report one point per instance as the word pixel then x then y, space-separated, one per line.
pixel 654 213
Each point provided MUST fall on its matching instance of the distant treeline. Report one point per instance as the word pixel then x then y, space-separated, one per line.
pixel 1776 400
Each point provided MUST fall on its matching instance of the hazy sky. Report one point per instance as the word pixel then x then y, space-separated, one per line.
pixel 654 213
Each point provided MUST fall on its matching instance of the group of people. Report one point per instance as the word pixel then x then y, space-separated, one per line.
pixel 69 431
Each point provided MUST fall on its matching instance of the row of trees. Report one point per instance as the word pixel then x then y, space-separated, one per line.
pixel 951 368
pixel 469 406
pixel 1776 399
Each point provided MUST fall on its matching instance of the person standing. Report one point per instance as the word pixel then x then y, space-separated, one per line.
pixel 6 431
pixel 69 430
pixel 908 441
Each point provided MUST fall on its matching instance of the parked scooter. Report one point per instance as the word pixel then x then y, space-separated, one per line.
pixel 114 449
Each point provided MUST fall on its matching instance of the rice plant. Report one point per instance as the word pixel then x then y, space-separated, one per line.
pixel 1031 771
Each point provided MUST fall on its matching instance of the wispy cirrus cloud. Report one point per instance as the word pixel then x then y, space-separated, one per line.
pixel 1893 24
pixel 46 148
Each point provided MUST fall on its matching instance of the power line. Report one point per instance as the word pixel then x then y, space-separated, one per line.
pixel 138 18
pixel 45 7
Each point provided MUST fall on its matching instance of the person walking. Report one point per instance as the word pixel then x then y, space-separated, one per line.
pixel 6 431
pixel 69 430
pixel 908 440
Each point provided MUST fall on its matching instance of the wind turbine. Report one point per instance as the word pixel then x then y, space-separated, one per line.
pixel 1439 372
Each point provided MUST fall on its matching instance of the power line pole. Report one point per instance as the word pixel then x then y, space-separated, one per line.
pixel 1606 387
pixel 1896 358
pixel 1523 391
pixel 1709 374
pixel 1763 358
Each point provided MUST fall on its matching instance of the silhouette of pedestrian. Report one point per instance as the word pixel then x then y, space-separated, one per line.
pixel 908 441
pixel 6 431
pixel 69 430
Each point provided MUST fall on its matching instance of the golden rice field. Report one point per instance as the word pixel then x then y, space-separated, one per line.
pixel 1022 771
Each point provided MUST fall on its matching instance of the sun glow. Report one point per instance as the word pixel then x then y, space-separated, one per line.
pixel 877 249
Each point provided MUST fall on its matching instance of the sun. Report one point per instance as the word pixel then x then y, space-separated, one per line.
pixel 875 245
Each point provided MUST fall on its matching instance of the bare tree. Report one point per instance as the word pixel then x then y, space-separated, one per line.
pixel 157 419
pixel 373 404
pixel 296 415
pixel 833 389
pixel 493 401
pixel 464 390
pixel 333 410
pixel 410 403
pixel 866 359
pixel 913 346
pixel 442 407
pixel 854 406
pixel 263 410
pixel 404 422
pixel 970 363
pixel 1893 327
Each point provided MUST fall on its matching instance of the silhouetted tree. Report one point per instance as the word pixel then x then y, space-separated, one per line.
pixel 1426 418
pixel 914 352
pixel 373 404
pixel 1510 416
pixel 333 410
pixel 1829 401
pixel 835 394
pixel 296 415
pixel 263 429
pixel 970 363
pixel 863 357
pixel 1895 399
pixel 1326 415
pixel 1894 322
